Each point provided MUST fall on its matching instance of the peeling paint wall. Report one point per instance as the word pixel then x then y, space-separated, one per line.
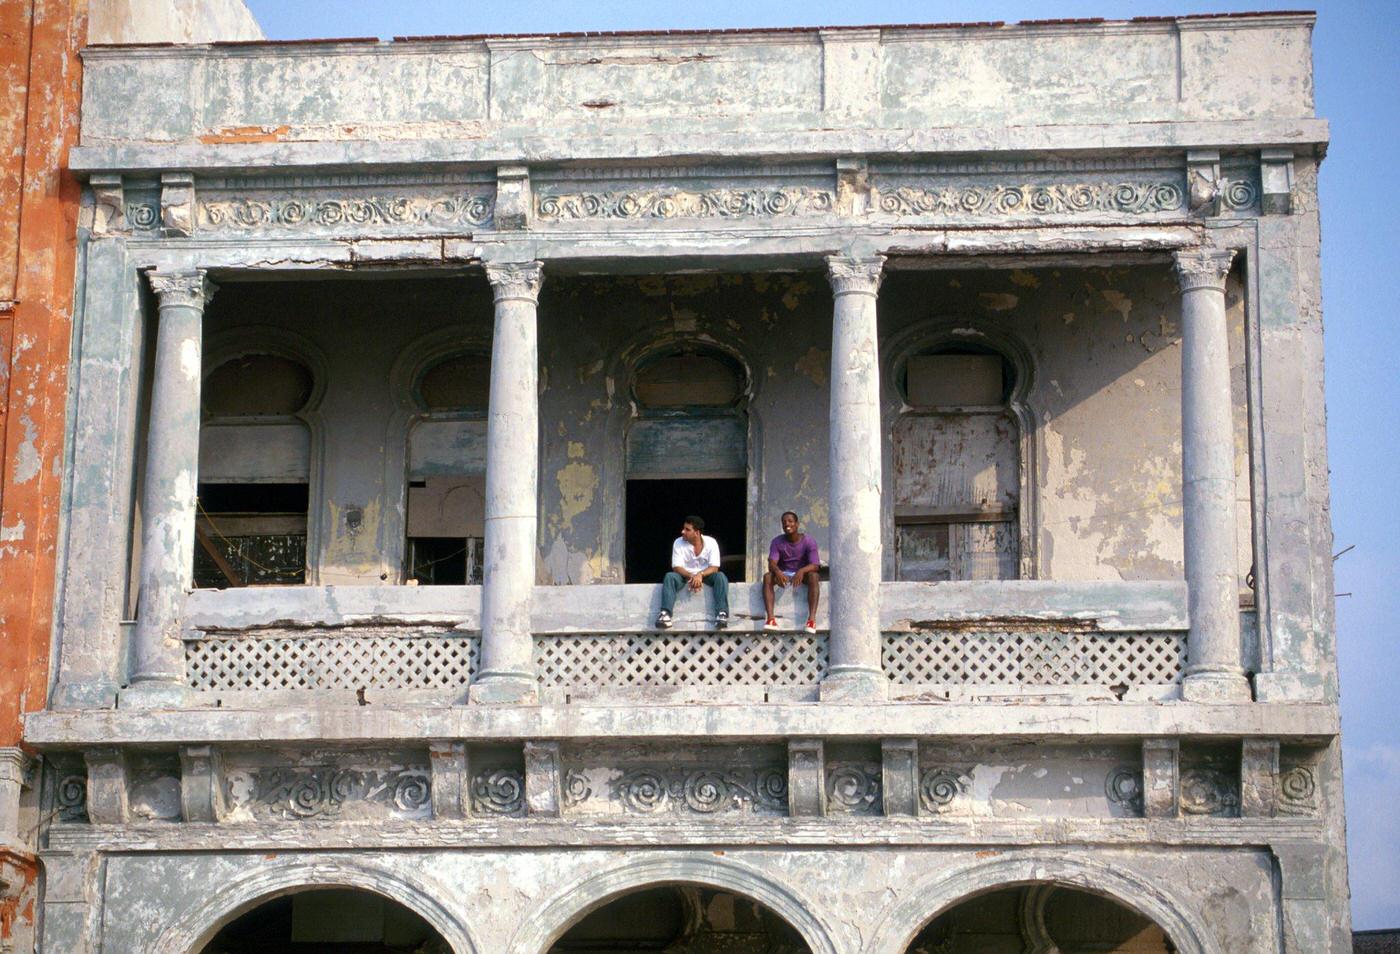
pixel 1103 398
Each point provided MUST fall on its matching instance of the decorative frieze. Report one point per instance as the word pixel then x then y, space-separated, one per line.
pixel 70 798
pixel 331 791
pixel 353 214
pixel 806 777
pixel 1123 786
pixel 177 204
pixel 1025 199
pixel 702 791
pixel 899 776
pixel 685 204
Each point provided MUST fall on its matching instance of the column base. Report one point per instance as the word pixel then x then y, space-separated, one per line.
pixel 154 695
pixel 504 688
pixel 1216 686
pixel 854 685
pixel 84 695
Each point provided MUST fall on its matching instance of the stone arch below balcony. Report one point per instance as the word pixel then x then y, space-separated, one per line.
pixel 200 924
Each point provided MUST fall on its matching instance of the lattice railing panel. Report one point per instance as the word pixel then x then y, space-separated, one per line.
pixel 680 659
pixel 336 659
pixel 1034 659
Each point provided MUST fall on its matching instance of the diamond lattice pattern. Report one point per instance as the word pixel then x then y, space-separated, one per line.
pixel 1034 659
pixel 681 659
pixel 327 660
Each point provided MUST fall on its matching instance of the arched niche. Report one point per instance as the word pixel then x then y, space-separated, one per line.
pixel 259 459
pixel 960 464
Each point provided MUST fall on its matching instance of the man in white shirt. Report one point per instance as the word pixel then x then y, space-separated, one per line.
pixel 694 563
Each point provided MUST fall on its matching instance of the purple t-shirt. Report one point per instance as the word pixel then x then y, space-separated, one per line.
pixel 792 557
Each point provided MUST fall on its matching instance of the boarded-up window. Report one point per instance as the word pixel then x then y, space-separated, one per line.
pixel 688 380
pixel 956 472
pixel 458 383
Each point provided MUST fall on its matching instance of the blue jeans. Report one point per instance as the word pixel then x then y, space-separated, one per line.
pixel 673 583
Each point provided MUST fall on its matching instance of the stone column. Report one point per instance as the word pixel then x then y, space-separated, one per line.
pixel 169 490
pixel 1213 671
pixel 512 504
pixel 856 550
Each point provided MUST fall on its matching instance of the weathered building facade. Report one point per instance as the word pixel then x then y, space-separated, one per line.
pixel 400 364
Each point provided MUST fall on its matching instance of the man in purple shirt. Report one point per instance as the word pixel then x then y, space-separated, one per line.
pixel 792 560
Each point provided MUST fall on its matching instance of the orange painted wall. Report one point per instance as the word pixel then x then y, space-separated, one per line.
pixel 39 104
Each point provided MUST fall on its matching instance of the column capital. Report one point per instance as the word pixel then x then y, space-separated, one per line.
pixel 851 275
pixel 1203 267
pixel 191 288
pixel 515 280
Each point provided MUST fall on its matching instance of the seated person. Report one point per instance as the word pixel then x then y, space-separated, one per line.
pixel 792 560
pixel 694 562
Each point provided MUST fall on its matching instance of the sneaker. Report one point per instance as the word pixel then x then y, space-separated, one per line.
pixel 770 623
pixel 810 628
pixel 721 620
pixel 663 620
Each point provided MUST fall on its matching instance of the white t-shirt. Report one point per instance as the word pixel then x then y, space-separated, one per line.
pixel 683 554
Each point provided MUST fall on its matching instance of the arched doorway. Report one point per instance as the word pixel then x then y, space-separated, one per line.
pixel 681 919
pixel 1041 919
pixel 687 453
pixel 326 920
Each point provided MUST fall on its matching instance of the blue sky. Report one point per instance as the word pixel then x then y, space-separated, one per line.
pixel 1357 61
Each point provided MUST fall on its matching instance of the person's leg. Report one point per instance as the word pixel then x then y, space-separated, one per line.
pixel 671 584
pixel 814 592
pixel 768 595
pixel 720 582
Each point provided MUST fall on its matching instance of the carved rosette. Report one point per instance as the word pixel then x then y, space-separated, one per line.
pixel 1124 787
pixel 515 281
pixel 939 788
pixel 499 792
pixel 1203 268
pixel 190 289
pixel 70 798
pixel 1208 791
pixel 853 789
pixel 855 275
pixel 577 788
pixel 1297 789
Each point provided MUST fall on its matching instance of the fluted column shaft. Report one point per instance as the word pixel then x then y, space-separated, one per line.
pixel 1213 671
pixel 512 495
pixel 169 489
pixel 856 550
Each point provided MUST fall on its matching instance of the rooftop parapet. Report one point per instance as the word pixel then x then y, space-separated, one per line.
pixel 892 89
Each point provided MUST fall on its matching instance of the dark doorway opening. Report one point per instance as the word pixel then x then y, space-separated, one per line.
pixel 681 918
pixel 329 921
pixel 656 508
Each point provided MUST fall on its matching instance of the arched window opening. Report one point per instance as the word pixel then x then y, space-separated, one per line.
pixel 446 506
pixel 1043 919
pixel 331 919
pixel 687 453
pixel 254 473
pixel 681 919
pixel 957 480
